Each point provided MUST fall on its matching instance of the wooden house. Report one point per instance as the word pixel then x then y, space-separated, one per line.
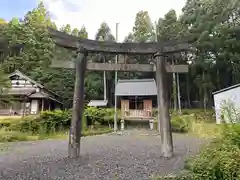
pixel 137 98
pixel 29 97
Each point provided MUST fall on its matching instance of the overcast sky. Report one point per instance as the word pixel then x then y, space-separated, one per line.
pixel 92 13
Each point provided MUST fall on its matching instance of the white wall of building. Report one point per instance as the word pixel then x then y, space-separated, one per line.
pixel 34 106
pixel 229 96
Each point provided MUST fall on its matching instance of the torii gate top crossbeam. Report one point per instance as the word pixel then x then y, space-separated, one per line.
pixel 72 42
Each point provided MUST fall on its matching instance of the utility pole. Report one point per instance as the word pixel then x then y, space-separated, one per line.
pixel 105 81
pixel 174 89
pixel 115 104
pixel 179 96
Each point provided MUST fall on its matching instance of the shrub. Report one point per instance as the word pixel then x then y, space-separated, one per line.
pixel 219 160
pixel 46 122
pixel 6 122
pixel 180 124
pixel 231 132
pixel 12 136
pixel 101 115
pixel 57 120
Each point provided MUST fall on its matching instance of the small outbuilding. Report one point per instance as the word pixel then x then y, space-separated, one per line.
pixel 137 99
pixel 227 104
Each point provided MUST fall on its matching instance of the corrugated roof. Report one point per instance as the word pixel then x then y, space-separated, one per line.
pixel 226 89
pixel 98 103
pixel 136 87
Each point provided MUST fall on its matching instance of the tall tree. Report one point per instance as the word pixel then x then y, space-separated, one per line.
pixel 66 28
pixel 168 28
pixel 104 34
pixel 83 33
pixel 4 84
pixel 143 29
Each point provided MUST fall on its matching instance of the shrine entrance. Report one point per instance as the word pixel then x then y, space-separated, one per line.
pixel 156 49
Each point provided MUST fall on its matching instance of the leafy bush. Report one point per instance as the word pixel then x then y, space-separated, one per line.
pixel 13 136
pixel 180 124
pixel 46 122
pixel 57 120
pixel 102 116
pixel 231 132
pixel 220 160
pixel 6 122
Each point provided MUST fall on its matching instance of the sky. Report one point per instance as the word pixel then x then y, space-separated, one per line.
pixel 91 13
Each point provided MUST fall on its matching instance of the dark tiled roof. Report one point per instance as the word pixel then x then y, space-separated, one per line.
pixel 136 87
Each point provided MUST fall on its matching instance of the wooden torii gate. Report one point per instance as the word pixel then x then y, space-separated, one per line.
pixel 84 46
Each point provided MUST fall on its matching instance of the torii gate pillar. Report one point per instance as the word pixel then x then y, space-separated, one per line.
pixel 164 124
pixel 78 105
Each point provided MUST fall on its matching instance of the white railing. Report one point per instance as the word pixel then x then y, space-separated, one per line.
pixel 137 113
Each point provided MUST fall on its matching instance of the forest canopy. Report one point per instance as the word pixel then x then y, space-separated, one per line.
pixel 215 65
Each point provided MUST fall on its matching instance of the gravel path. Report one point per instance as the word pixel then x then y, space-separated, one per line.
pixel 131 156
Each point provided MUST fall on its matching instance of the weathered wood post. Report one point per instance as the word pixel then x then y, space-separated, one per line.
pixel 78 105
pixel 163 107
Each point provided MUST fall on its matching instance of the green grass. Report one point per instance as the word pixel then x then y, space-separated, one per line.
pixel 205 129
pixel 14 136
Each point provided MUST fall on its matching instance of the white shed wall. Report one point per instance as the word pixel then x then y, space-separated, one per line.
pixel 34 106
pixel 232 95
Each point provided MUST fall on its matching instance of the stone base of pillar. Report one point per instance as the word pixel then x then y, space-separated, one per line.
pixel 122 124
pixel 151 121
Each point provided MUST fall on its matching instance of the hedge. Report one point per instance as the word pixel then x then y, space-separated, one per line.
pixel 51 121
pixel 47 122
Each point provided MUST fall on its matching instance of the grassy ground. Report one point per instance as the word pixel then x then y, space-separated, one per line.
pixel 10 117
pixel 13 136
pixel 205 129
